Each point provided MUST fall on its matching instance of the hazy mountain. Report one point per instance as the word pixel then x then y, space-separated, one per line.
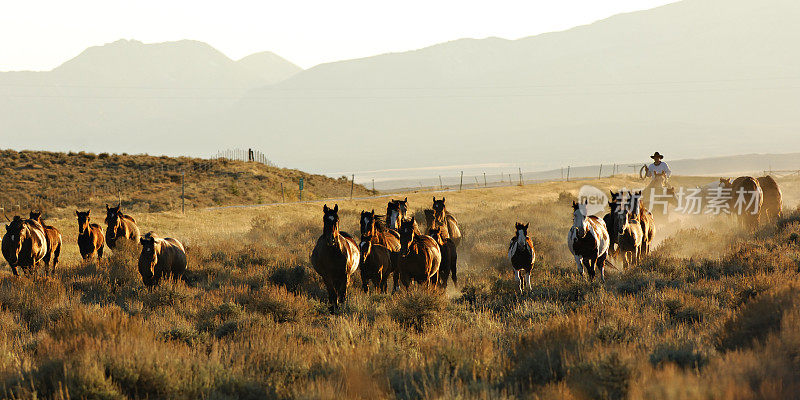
pixel 130 96
pixel 691 79
pixel 694 78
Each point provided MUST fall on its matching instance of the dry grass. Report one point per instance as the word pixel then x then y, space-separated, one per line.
pixel 711 314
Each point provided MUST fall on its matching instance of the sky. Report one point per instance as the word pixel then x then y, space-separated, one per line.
pixel 40 35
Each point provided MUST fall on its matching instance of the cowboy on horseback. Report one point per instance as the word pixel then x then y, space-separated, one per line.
pixel 658 169
pixel 659 185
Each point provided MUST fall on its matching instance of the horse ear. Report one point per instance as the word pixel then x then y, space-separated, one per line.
pixel 107 207
pixel 325 208
pixel 76 212
pixel 412 220
pixel 335 208
pixel 405 200
pixel 527 225
pixel 142 241
pixel 442 199
pixel 373 212
pixel 434 199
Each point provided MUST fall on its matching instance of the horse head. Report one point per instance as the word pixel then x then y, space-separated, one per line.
pixel 149 257
pixel 439 209
pixel 330 221
pixel 35 215
pixel 436 234
pixel 365 247
pixel 579 218
pixel 395 213
pixel 406 235
pixel 521 232
pixel 83 220
pixel 16 232
pixel 368 222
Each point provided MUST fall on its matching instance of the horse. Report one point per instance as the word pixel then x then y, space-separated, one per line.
pixel 120 226
pixel 656 192
pixel 615 206
pixel 446 221
pixel 630 237
pixel 335 257
pixel 396 213
pixel 521 254
pixel 420 256
pixel 645 218
pixel 24 245
pixel 745 200
pixel 374 227
pixel 376 265
pixel 773 198
pixel 588 241
pixel 53 237
pixel 90 236
pixel 161 258
pixel 447 266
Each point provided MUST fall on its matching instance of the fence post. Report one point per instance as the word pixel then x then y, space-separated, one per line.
pixel 568 167
pixel 283 194
pixel 352 185
pixel 373 185
pixel 183 192
pixel 441 186
pixel 484 179
pixel 520 177
pixel 601 171
pixel 461 183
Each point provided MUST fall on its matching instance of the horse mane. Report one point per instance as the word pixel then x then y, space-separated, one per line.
pixel 380 223
pixel 347 235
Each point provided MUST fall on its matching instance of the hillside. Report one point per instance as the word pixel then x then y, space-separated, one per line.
pixel 696 78
pixel 58 181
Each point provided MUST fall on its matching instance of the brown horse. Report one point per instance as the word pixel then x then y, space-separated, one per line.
pixel 53 237
pixel 419 256
pixel 522 255
pixel 24 244
pixel 448 264
pixel 376 265
pixel 396 213
pixel 745 201
pixel 373 226
pixel 629 235
pixel 588 241
pixel 615 205
pixel 335 257
pixel 773 198
pixel 161 258
pixel 646 220
pixel 120 226
pixel 446 221
pixel 90 236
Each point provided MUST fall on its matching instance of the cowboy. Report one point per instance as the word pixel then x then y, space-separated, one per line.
pixel 658 167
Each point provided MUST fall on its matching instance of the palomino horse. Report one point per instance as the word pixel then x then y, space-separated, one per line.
pixel 447 266
pixel 420 256
pixel 645 218
pixel 446 221
pixel 335 257
pixel 376 265
pixel 746 199
pixel 24 244
pixel 628 232
pixel 90 236
pixel 53 237
pixel 521 254
pixel 773 198
pixel 161 258
pixel 588 241
pixel 120 226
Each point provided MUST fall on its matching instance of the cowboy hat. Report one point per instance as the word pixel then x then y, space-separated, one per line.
pixel 656 155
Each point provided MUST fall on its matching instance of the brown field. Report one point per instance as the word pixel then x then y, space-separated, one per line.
pixel 713 313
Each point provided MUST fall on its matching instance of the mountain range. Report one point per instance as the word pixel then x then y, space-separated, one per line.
pixel 695 78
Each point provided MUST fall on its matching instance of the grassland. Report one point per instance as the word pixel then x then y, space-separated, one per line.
pixel 713 313
pixel 54 181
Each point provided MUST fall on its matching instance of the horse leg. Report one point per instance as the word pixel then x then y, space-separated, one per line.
pixel 55 257
pixel 519 278
pixel 331 294
pixel 579 261
pixel 14 270
pixel 589 266
pixel 528 277
pixel 601 266
pixel 364 280
pixel 453 268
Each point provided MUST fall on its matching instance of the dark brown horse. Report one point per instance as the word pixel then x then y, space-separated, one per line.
pixel 120 226
pixel 90 236
pixel 53 237
pixel 446 221
pixel 773 198
pixel 522 255
pixel 335 257
pixel 448 265
pixel 419 256
pixel 616 205
pixel 396 213
pixel 588 241
pixel 24 244
pixel 373 227
pixel 376 265
pixel 161 258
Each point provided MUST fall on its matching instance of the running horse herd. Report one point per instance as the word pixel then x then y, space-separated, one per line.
pixel 391 244
pixel 30 242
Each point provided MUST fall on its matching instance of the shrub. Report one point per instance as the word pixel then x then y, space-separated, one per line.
pixel 683 354
pixel 755 320
pixel 416 308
